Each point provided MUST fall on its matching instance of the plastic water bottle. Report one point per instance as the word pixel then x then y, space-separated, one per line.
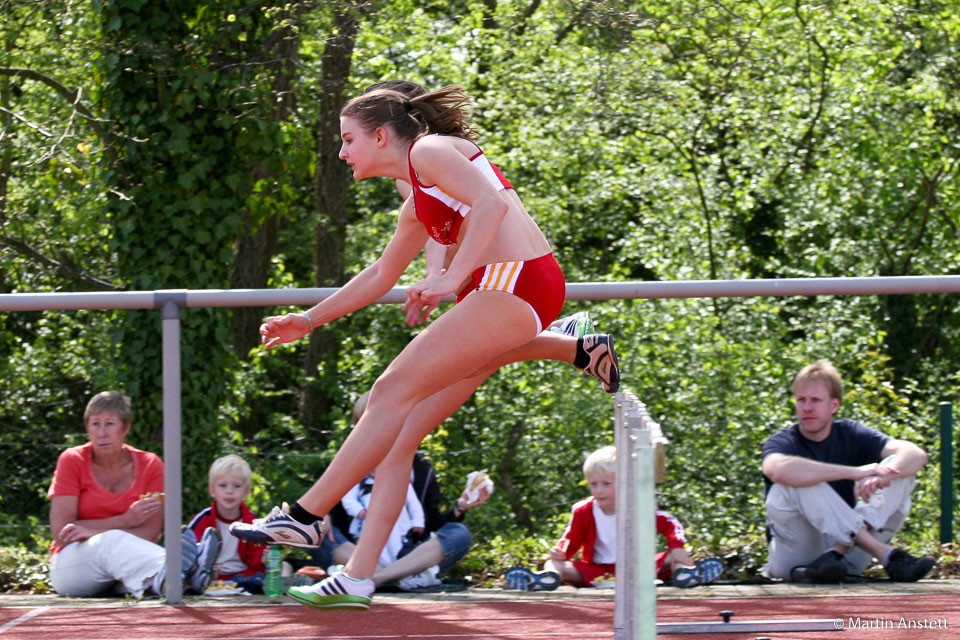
pixel 273 584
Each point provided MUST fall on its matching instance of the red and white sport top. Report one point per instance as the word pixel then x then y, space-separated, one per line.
pixel 439 212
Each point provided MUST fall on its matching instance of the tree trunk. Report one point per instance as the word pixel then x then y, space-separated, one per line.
pixel 330 188
pixel 256 242
pixel 6 147
pixel 505 480
pixel 257 239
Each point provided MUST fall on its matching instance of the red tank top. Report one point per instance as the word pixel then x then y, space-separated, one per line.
pixel 442 214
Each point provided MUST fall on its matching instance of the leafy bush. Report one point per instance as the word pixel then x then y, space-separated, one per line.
pixel 23 570
pixel 489 558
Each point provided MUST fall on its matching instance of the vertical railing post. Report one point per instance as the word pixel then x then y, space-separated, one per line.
pixel 170 304
pixel 622 612
pixel 645 527
pixel 946 473
pixel 635 606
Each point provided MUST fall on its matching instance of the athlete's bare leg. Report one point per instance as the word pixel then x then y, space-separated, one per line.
pixel 481 328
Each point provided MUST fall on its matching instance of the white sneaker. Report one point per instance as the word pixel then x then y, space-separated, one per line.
pixel 279 528
pixel 426 578
pixel 338 591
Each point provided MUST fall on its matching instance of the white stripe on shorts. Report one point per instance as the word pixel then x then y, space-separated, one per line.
pixel 500 276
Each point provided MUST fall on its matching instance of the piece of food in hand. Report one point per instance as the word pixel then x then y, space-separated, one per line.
pixel 153 494
pixel 476 481
pixel 316 573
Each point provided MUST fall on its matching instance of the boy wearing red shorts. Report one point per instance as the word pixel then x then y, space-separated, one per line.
pixel 593 533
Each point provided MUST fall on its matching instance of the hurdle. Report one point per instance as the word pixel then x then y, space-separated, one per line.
pixel 636 438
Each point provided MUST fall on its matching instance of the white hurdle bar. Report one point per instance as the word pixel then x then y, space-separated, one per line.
pixel 637 438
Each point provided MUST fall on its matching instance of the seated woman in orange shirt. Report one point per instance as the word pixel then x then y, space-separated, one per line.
pixel 106 513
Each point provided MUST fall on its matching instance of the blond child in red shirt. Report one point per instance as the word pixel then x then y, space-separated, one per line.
pixel 592 533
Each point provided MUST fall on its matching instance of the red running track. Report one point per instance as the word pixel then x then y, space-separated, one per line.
pixel 870 617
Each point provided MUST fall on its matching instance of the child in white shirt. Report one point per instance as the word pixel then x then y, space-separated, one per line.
pixel 411 517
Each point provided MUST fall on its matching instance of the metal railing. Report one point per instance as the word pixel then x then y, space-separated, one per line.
pixel 171 302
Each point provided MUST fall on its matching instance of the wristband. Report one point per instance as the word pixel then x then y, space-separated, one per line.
pixel 309 319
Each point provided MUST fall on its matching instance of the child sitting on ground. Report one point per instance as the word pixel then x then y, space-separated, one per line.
pixel 593 532
pixel 238 562
pixel 410 522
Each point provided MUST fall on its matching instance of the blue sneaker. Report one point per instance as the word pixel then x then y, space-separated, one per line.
pixel 279 528
pixel 705 572
pixel 338 591
pixel 201 574
pixel 524 579
pixel 188 550
pixel 196 561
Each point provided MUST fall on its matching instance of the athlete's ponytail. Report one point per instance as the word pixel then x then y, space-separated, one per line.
pixel 445 110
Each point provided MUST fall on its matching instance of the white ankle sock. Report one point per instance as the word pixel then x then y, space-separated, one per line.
pixel 356 587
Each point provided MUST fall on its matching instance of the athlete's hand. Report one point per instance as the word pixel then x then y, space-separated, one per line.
pixel 427 293
pixel 281 329
pixel 417 312
pixel 874 470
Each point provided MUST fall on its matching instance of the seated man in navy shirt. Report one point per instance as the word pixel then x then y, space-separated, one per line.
pixel 836 490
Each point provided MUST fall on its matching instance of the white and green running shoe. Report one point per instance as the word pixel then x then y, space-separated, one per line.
pixel 338 591
pixel 577 325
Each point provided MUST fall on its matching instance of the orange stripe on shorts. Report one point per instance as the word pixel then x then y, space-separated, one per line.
pixel 500 276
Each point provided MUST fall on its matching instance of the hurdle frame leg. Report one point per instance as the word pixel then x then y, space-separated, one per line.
pixel 635 605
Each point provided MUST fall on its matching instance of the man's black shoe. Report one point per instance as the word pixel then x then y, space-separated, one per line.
pixel 828 568
pixel 903 567
pixel 801 575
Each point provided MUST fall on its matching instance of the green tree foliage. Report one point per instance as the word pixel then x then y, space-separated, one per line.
pixel 187 92
pixel 652 141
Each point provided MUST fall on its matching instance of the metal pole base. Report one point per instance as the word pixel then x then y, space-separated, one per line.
pixel 749 626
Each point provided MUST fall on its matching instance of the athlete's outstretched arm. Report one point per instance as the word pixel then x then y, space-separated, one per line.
pixel 367 286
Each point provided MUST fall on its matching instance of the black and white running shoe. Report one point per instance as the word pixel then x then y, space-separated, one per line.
pixel 279 528
pixel 604 364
